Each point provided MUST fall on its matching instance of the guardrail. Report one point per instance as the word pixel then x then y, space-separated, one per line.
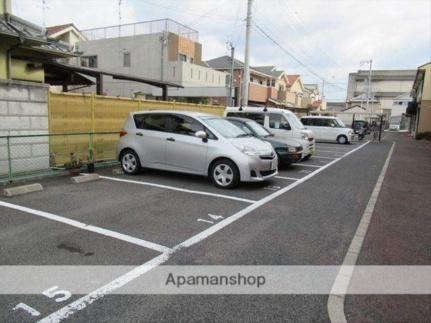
pixel 27 156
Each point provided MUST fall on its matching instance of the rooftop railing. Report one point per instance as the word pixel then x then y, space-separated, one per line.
pixel 142 28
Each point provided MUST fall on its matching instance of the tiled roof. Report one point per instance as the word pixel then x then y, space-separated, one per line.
pixel 224 62
pixel 55 29
pixel 292 78
pixel 34 35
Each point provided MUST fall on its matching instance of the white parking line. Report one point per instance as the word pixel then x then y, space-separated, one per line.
pixel 323 157
pixel 179 189
pixel 83 302
pixel 337 154
pixel 306 165
pixel 87 227
pixel 341 284
pixel 289 178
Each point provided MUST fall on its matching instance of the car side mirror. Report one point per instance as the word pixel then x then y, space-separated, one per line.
pixel 201 134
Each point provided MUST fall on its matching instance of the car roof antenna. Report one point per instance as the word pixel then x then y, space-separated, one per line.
pixel 240 108
pixel 265 109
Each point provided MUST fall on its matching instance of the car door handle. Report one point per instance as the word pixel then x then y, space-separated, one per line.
pixel 139 134
pixel 170 139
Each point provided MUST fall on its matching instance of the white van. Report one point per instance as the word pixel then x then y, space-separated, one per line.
pixel 327 128
pixel 282 123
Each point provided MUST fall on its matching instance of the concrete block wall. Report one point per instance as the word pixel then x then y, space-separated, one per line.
pixel 24 111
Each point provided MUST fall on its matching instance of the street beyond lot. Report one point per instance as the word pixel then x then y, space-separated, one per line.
pixel 307 215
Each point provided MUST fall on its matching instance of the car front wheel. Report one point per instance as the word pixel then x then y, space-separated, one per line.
pixel 342 140
pixel 130 162
pixel 224 174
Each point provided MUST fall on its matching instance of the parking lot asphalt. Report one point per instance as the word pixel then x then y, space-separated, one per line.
pixel 306 215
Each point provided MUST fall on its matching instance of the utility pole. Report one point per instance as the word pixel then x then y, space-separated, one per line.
pixel 246 76
pixel 370 62
pixel 323 91
pixel 369 85
pixel 229 100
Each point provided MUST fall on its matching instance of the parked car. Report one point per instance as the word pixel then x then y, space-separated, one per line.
pixel 286 153
pixel 282 123
pixel 327 128
pixel 394 126
pixel 194 143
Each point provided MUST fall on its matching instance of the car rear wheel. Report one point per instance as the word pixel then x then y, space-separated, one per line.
pixel 342 140
pixel 130 162
pixel 224 174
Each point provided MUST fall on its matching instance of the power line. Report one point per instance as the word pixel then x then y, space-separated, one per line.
pixel 260 29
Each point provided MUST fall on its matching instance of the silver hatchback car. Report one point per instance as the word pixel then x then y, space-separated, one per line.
pixel 194 143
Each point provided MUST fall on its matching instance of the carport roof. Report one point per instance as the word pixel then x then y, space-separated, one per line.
pixel 95 72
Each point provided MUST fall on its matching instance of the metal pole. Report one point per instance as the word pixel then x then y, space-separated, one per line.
pixel 9 159
pixel 232 57
pixel 369 86
pixel 323 90
pixel 381 127
pixel 246 79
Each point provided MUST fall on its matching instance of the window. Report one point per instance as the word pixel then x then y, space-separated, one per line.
pixel 191 60
pixel 273 83
pixel 251 79
pixel 242 126
pixel 276 121
pixel 89 61
pixel 327 122
pixel 225 128
pixel 126 59
pixel 184 125
pixel 258 117
pixel 182 57
pixel 155 122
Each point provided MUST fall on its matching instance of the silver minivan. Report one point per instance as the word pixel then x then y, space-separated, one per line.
pixel 194 143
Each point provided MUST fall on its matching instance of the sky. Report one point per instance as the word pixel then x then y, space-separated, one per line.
pixel 319 39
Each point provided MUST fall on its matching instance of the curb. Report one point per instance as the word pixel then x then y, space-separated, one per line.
pixel 85 178
pixel 24 189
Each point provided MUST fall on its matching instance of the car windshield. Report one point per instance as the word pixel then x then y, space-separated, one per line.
pixel 225 128
pixel 339 123
pixel 294 121
pixel 258 130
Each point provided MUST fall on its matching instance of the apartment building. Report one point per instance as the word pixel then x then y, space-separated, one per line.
pixel 389 90
pixel 268 86
pixel 163 50
pixel 420 107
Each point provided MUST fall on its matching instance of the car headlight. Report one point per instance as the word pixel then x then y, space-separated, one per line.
pixel 304 136
pixel 250 151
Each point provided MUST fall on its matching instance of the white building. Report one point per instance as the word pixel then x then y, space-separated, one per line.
pixel 388 89
pixel 162 50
